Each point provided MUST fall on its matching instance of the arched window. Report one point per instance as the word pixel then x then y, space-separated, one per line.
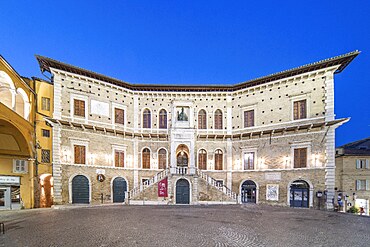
pixel 147 119
pixel 22 105
pixel 202 159
pixel 218 159
pixel 202 119
pixel 145 158
pixel 162 158
pixel 218 119
pixel 163 119
pixel 7 90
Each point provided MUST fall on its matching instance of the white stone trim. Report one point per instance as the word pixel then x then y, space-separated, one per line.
pixel 71 105
pixel 295 98
pixel 308 145
pixel 113 116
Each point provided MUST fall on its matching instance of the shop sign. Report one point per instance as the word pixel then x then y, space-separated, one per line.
pixel 9 180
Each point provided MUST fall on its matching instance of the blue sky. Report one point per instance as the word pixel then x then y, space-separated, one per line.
pixel 197 42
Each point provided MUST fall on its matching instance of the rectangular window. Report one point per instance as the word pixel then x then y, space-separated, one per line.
pixel 79 108
pixel 362 184
pixel 45 155
pixel 362 164
pixel 119 159
pixel 300 109
pixel 20 166
pixel 80 154
pixel 45 104
pixel 300 157
pixel 249 161
pixel 119 116
pixel 45 133
pixel 248 118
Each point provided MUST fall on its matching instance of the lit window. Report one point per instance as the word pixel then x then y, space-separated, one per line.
pixel 249 161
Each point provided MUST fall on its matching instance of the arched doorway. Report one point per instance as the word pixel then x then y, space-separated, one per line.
pixel 182 192
pixel 182 156
pixel 299 194
pixel 248 192
pixel 80 189
pixel 119 189
pixel 46 190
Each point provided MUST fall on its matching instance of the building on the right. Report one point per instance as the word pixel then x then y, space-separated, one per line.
pixel 352 176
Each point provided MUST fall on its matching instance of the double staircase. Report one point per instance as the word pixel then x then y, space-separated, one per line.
pixel 183 171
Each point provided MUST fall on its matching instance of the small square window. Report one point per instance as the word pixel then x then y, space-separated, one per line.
pixel 20 166
pixel 45 133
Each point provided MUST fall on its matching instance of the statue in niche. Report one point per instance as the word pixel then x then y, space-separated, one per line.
pixel 181 116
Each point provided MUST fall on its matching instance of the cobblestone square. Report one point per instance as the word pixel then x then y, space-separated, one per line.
pixel 234 225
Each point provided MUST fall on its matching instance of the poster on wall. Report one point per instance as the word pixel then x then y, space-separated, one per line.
pixel 162 188
pixel 272 192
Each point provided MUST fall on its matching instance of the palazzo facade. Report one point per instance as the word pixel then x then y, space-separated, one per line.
pixel 269 140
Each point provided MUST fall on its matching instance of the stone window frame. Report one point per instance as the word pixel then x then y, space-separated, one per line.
pixel 222 119
pixel 216 152
pixel 121 107
pixel 142 118
pixel 23 163
pixel 71 104
pixel 198 119
pixel 159 156
pixel 248 108
pixel 365 187
pixel 362 163
pixel 159 118
pixel 120 148
pixel 45 103
pixel 80 142
pixel 150 158
pixel 295 98
pixel 293 146
pixel 198 152
pixel 255 163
